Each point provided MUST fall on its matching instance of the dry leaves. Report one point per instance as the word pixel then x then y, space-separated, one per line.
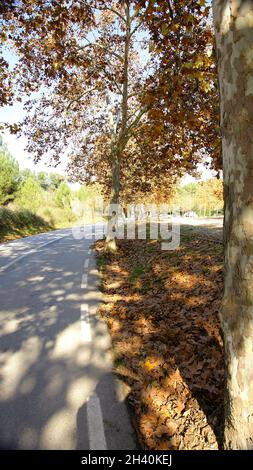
pixel 166 336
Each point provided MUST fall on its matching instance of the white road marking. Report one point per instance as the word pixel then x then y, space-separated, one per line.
pixel 85 324
pixel 84 281
pixel 54 240
pixel 11 263
pixel 96 432
pixel 95 424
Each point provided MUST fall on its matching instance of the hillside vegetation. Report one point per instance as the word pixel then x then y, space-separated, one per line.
pixel 31 202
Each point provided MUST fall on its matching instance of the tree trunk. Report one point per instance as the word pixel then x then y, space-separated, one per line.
pixel 115 181
pixel 234 37
pixel 121 140
pixel 110 242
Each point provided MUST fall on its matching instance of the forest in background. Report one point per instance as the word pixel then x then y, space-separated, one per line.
pixel 33 202
pixel 36 202
pixel 205 198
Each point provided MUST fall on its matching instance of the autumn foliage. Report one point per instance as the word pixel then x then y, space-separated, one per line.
pixel 127 89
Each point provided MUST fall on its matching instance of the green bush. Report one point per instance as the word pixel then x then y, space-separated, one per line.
pixel 31 202
pixel 63 196
pixel 22 222
pixel 7 218
pixel 49 216
pixel 9 176
pixel 30 195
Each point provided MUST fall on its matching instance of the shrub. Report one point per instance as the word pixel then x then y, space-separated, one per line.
pixel 9 176
pixel 30 195
pixel 20 222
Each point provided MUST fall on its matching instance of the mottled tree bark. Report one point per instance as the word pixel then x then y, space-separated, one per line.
pixel 233 21
pixel 119 142
pixel 110 242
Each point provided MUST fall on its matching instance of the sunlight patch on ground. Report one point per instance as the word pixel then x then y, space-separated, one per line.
pixel 64 422
pixel 16 365
pixel 67 342
pixel 37 278
pixel 79 391
pixel 10 326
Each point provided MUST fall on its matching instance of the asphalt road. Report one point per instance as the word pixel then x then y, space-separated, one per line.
pixel 57 386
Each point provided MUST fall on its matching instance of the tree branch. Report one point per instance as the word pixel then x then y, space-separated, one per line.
pixel 132 95
pixel 75 100
pixel 93 44
pixel 137 27
pixel 138 118
pixel 115 54
pixel 117 85
pixel 134 113
pixel 170 9
pixel 116 12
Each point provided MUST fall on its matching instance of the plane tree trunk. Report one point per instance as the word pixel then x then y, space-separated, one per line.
pixel 114 202
pixel 120 139
pixel 233 21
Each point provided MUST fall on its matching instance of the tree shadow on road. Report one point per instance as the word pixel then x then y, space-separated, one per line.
pixel 47 371
pixel 103 421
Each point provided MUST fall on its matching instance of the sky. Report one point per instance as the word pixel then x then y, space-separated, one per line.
pixel 16 146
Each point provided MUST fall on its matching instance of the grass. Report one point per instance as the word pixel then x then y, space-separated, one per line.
pixel 119 361
pixel 136 272
pixel 102 262
pixel 22 223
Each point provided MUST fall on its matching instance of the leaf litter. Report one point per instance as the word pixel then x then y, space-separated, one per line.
pixel 161 308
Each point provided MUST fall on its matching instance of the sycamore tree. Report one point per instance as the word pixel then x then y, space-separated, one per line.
pixel 83 61
pixel 86 65
pixel 104 84
pixel 233 25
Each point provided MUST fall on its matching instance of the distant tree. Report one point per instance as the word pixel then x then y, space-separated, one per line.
pixel 205 197
pixel 209 195
pixel 185 197
pixel 9 176
pixel 25 174
pixel 30 195
pixel 63 196
pixel 56 180
pixel 88 192
pixel 43 179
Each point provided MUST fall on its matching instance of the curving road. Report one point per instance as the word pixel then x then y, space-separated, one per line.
pixel 57 386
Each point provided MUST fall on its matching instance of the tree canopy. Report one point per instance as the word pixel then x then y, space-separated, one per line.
pixel 125 88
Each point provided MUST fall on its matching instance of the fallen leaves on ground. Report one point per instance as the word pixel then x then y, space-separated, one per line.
pixel 162 311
